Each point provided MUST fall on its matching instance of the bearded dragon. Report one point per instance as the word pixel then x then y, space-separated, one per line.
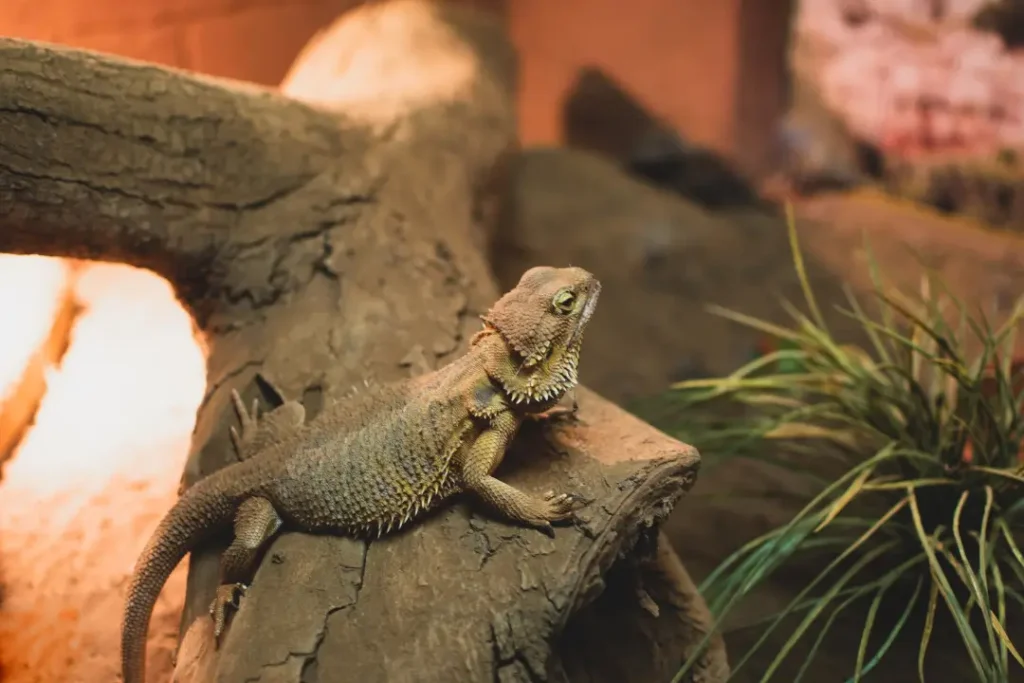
pixel 375 461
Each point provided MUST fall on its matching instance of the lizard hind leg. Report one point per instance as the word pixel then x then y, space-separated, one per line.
pixel 256 522
pixel 260 431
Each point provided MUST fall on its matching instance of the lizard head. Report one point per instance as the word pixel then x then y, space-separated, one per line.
pixel 542 322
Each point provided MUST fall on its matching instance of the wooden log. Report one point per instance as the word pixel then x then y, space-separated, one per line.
pixel 318 243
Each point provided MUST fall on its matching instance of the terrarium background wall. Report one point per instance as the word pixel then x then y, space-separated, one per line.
pixel 253 40
pixel 715 71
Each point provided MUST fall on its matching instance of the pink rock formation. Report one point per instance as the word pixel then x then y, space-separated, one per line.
pixel 913 83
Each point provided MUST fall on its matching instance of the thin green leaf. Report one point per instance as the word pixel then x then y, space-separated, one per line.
pixel 857 313
pixel 759 363
pixel 889 639
pixel 1008 537
pixel 746 581
pixel 1015 595
pixel 800 517
pixel 902 484
pixel 842 501
pixel 857 594
pixel 997 472
pixel 945 590
pixel 801 270
pixel 982 539
pixel 865 635
pixel 754 323
pixel 847 551
pixel 791 642
pixel 1005 638
pixel 972 578
pixel 1000 590
pixel 1000 606
pixel 876 279
pixel 804 605
pixel 929 624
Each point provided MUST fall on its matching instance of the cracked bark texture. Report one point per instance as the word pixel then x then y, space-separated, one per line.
pixel 329 232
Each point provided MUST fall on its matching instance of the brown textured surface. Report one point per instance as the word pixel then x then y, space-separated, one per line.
pixel 317 251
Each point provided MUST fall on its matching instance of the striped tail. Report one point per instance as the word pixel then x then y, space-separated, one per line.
pixel 205 508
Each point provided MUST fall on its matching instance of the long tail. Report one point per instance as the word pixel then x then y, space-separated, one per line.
pixel 204 508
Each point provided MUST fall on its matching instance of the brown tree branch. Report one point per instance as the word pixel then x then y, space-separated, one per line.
pixel 103 158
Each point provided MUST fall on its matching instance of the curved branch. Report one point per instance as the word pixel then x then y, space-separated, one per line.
pixel 104 158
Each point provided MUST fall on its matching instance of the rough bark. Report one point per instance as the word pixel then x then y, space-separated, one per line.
pixel 317 245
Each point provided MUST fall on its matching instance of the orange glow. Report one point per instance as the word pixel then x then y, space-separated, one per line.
pixel 338 68
pixel 91 479
pixel 30 288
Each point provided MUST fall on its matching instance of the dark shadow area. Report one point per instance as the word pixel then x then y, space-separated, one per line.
pixel 598 638
pixel 1005 18
pixel 599 115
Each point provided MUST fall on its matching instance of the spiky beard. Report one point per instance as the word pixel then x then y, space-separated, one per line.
pixel 547 381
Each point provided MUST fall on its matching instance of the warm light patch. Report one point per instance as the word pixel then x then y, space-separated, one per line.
pixel 380 61
pixel 91 479
pixel 30 290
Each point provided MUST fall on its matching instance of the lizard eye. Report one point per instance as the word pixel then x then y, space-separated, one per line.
pixel 564 301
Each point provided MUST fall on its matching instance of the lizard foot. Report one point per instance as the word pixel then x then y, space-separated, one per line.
pixel 556 413
pixel 260 429
pixel 228 595
pixel 247 419
pixel 559 412
pixel 558 508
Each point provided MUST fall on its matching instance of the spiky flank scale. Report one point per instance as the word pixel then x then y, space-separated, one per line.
pixel 376 460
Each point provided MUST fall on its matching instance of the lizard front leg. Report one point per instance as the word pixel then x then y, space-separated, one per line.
pixel 256 522
pixel 484 456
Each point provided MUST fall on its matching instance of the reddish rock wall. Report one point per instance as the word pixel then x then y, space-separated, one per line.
pixel 254 40
pixel 711 69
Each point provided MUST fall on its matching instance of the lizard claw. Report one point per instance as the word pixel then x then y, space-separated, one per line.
pixel 248 420
pixel 546 529
pixel 557 507
pixel 228 595
pixel 561 503
pixel 556 414
pixel 236 440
